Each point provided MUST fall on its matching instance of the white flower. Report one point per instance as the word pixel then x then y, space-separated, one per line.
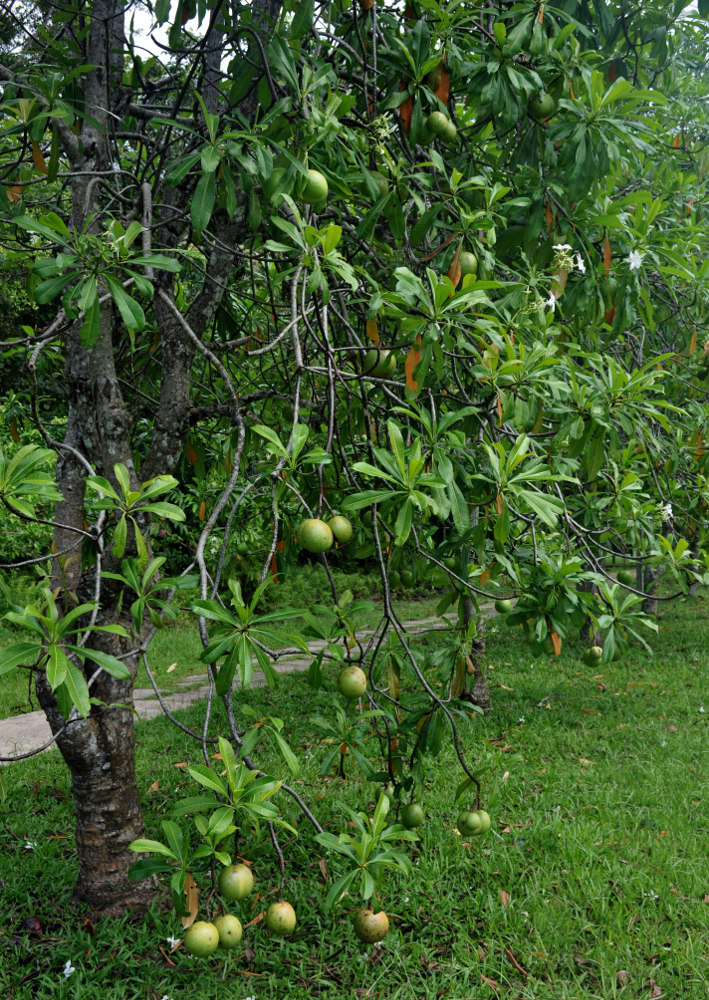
pixel 650 895
pixel 30 845
pixel 701 710
pixel 551 303
pixel 635 259
pixel 580 265
pixel 172 941
pixel 663 743
pixel 562 246
pixel 68 969
pixel 165 997
pixel 667 514
pixel 521 719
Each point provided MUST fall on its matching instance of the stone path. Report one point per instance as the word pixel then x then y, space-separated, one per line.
pixel 23 733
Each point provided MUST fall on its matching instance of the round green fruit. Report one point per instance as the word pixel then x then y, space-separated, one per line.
pixel 450 562
pixel 388 790
pixel 314 535
pixel 503 606
pixel 484 821
pixel 202 939
pixel 242 549
pixel 450 133
pixel 235 882
pixel 280 919
pixel 371 927
pixel 316 188
pixel 627 577
pixel 438 124
pixel 593 656
pixel 412 815
pixel 468 263
pixel 230 930
pixel 352 682
pixel 395 579
pixel 542 105
pixel 473 823
pixel 407 578
pixel 379 364
pixel 341 528
pixel 462 821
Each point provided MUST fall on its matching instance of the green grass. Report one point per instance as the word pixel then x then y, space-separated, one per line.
pixel 593 883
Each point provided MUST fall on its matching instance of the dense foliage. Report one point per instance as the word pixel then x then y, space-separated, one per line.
pixel 440 269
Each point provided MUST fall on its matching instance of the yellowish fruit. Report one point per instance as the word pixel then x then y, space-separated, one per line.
pixel 314 535
pixel 202 939
pixel 230 930
pixel 371 927
pixel 280 919
pixel 235 882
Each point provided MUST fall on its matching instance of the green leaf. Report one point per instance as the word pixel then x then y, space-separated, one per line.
pixel 131 312
pixel 57 665
pixel 23 653
pixel 77 689
pixel 109 663
pixel 288 755
pixel 302 22
pixel 202 203
pixel 141 846
pixel 206 776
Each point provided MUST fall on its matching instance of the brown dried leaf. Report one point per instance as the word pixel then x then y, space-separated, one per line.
pixel 622 977
pixel 504 898
pixel 191 901
pixel 322 864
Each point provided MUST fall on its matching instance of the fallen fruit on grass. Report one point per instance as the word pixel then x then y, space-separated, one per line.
pixel 371 927
pixel 503 607
pixel 352 682
pixel 412 815
pixel 202 939
pixel 341 528
pixel 314 535
pixel 230 930
pixel 235 882
pixel 280 918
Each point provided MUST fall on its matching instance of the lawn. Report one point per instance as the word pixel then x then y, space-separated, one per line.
pixel 592 883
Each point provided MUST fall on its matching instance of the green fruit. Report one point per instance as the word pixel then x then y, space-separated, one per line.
pixel 593 656
pixel 473 823
pixel 438 124
pixel 235 882
pixel 503 606
pixel 407 578
pixel 484 821
pixel 394 579
pixel 626 576
pixel 450 133
pixel 316 188
pixel 341 528
pixel 412 815
pixel 242 549
pixel 542 106
pixel 202 939
pixel 450 563
pixel 230 930
pixel 468 263
pixel 379 364
pixel 548 646
pixel 352 682
pixel 314 535
pixel 462 821
pixel 388 790
pixel 371 927
pixel 280 919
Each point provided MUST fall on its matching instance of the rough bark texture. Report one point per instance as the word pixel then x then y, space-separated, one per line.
pixel 479 693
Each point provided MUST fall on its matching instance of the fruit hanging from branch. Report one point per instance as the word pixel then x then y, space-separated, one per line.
pixel 315 536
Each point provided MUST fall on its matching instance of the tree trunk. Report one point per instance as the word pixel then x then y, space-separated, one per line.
pixel 479 693
pixel 100 754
